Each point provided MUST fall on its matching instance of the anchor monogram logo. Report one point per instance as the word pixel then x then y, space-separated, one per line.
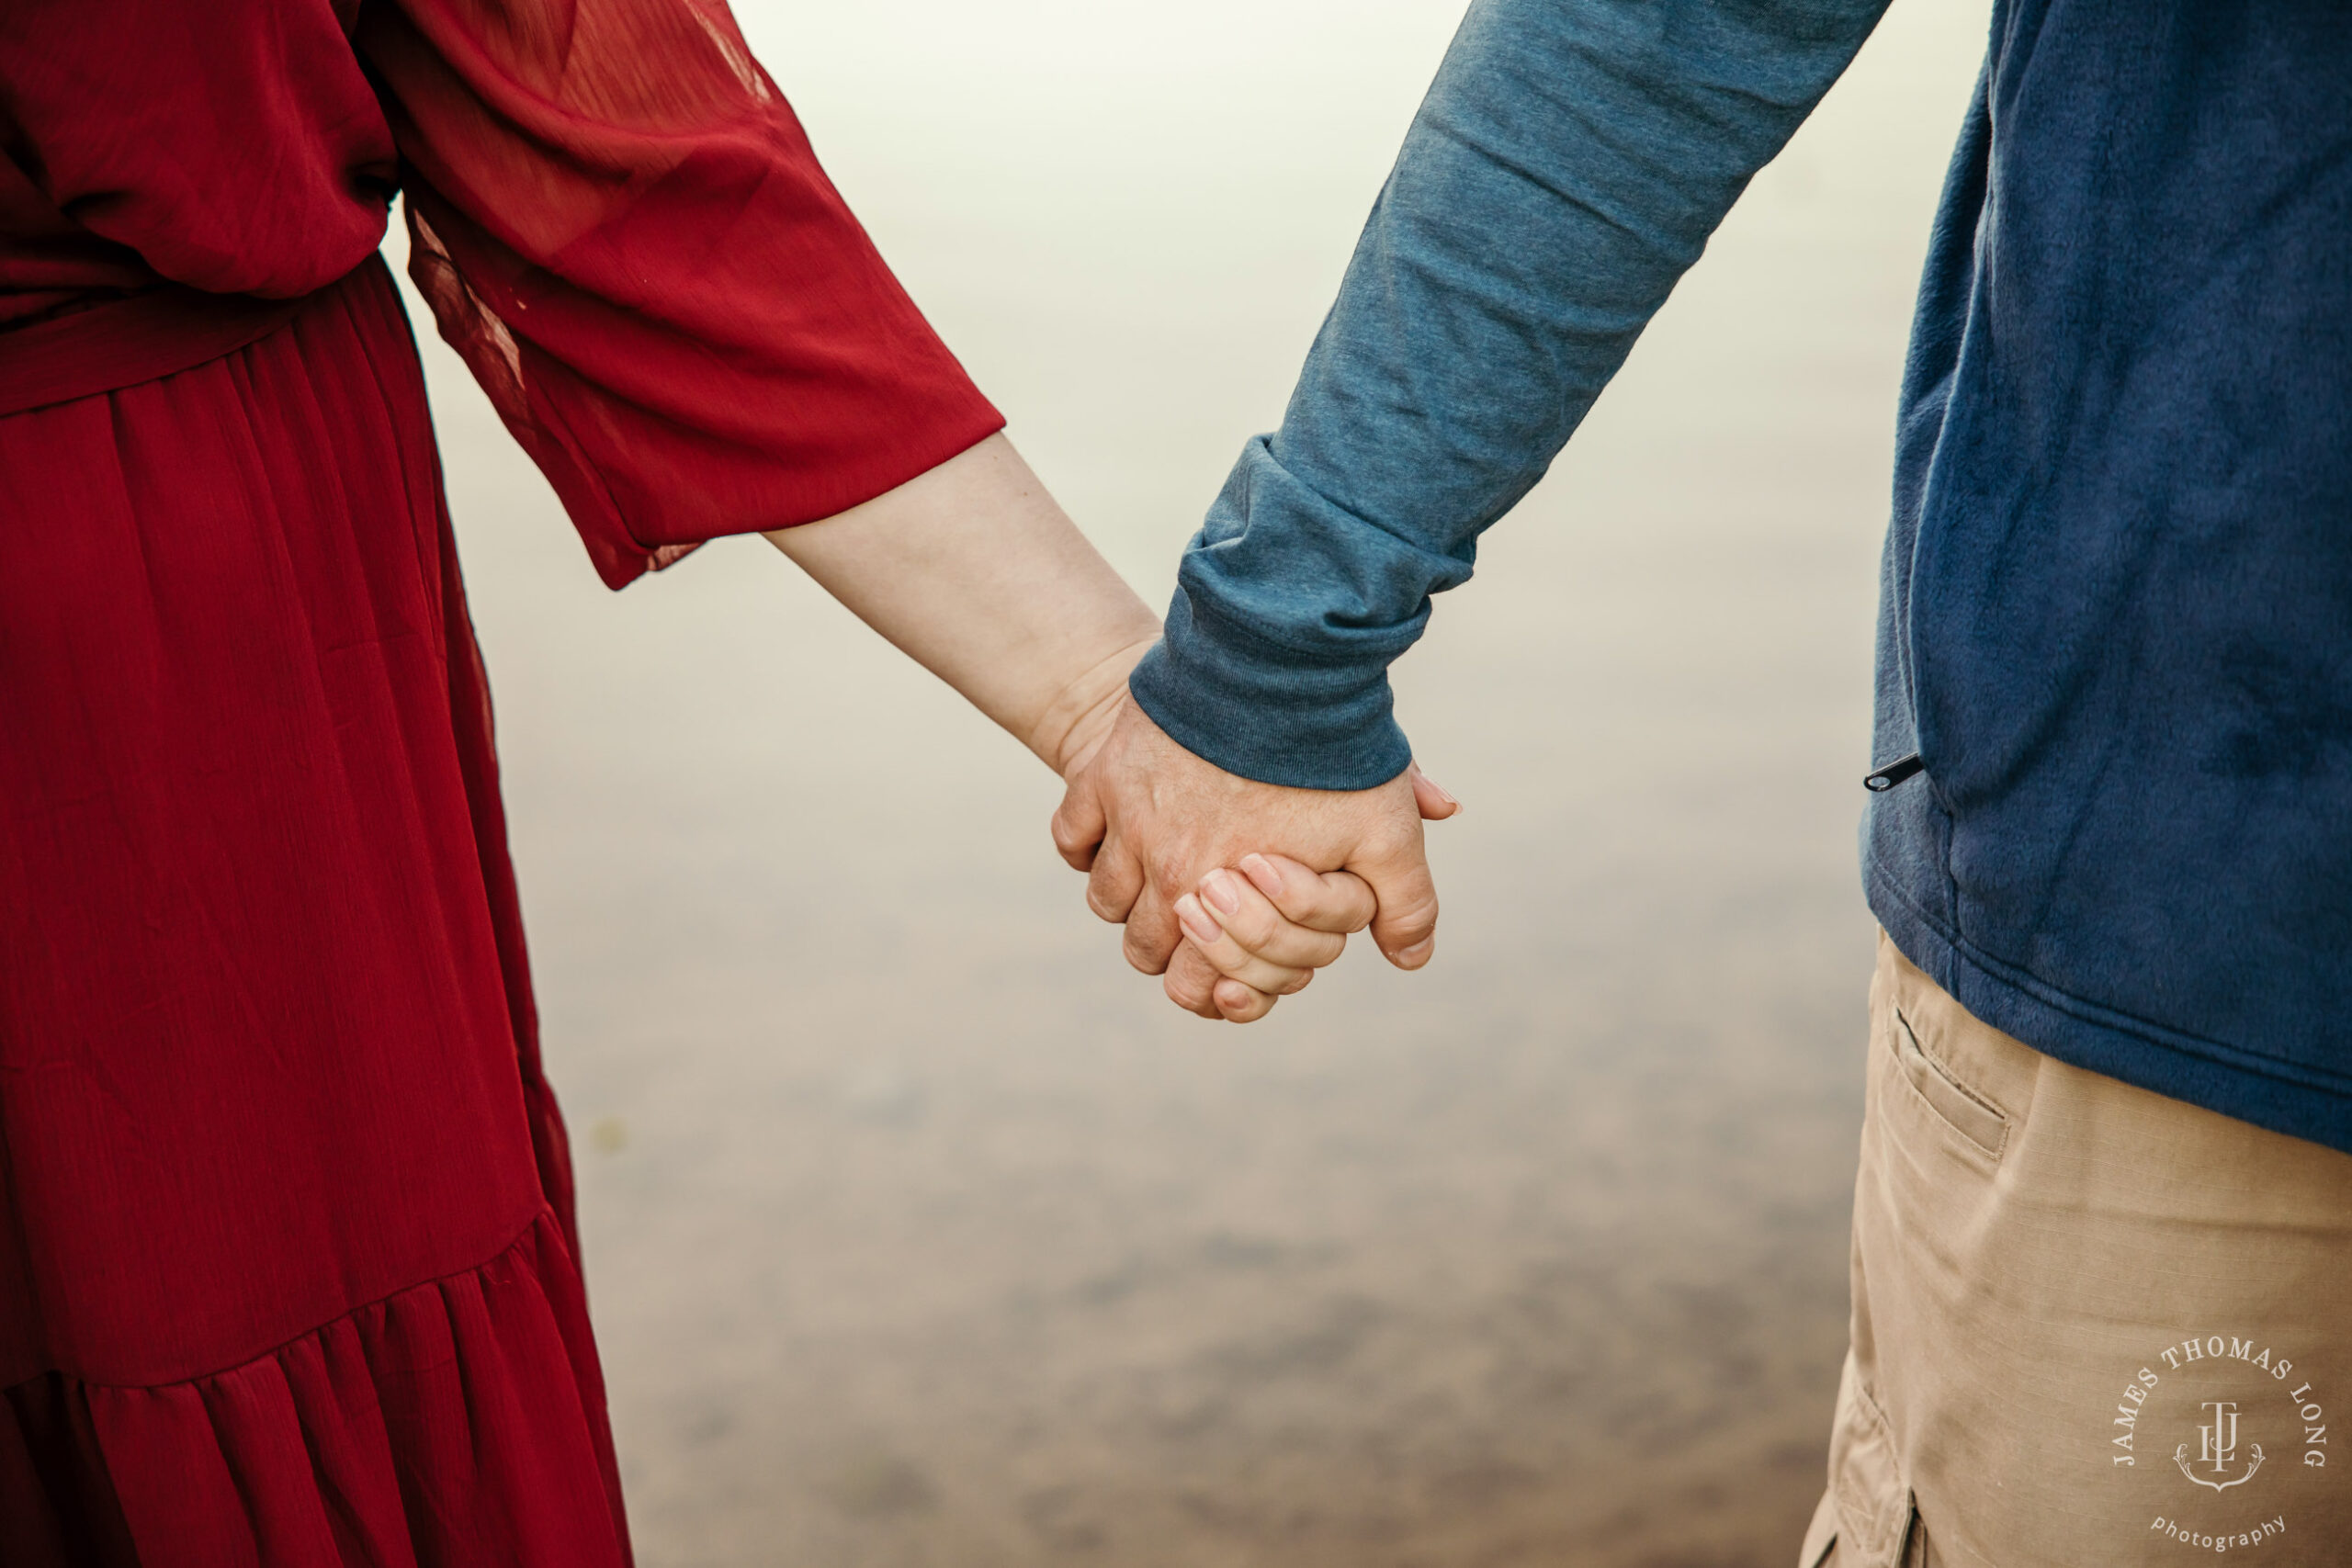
pixel 2218 1448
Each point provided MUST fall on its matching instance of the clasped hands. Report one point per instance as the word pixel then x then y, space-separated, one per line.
pixel 1234 891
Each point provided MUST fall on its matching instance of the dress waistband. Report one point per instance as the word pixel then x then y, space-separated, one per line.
pixel 155 332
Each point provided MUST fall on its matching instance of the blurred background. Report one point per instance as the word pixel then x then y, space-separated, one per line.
pixel 921 1231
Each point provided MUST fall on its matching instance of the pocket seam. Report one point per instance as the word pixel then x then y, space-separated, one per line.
pixel 1945 1076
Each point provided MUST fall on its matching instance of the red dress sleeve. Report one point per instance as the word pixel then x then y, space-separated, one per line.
pixel 619 224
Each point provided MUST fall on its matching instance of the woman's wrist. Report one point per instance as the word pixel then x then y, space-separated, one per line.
pixel 972 570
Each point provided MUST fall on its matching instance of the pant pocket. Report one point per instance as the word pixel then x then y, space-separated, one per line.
pixel 1958 1106
pixel 1872 1500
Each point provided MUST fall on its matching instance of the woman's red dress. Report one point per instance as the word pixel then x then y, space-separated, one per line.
pixel 287 1261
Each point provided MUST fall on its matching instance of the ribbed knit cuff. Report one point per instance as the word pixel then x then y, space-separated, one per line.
pixel 1266 713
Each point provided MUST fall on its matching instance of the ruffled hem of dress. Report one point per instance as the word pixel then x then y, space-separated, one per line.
pixel 457 1424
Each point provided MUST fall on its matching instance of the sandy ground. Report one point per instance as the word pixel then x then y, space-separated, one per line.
pixel 919 1232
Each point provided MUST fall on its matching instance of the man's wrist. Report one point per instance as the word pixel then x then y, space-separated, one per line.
pixel 1260 712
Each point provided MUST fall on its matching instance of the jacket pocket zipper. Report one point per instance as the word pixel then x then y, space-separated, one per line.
pixel 1894 773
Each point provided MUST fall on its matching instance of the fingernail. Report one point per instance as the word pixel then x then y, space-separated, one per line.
pixel 1219 888
pixel 1443 793
pixel 1196 923
pixel 1261 869
pixel 1413 957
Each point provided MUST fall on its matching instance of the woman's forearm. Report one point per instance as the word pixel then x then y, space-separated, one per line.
pixel 975 573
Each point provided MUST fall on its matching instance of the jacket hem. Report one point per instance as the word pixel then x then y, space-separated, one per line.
pixel 2082 1033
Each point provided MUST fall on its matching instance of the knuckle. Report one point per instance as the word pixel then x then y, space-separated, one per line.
pixel 1406 936
pixel 1274 978
pixel 1417 913
pixel 1194 967
pixel 1301 901
pixel 1225 958
pixel 1255 926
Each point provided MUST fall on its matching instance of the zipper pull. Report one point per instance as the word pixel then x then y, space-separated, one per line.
pixel 1894 773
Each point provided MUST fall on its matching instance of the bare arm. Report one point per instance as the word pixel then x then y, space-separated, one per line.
pixel 972 570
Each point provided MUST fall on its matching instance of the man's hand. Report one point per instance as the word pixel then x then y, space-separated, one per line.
pixel 1148 820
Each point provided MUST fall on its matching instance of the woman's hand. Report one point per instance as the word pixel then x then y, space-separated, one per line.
pixel 1259 930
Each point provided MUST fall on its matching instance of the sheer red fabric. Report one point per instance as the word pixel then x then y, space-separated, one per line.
pixel 618 222
pixel 287 1276
pixel 670 304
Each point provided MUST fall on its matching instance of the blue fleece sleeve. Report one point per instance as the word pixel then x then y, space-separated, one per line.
pixel 1566 168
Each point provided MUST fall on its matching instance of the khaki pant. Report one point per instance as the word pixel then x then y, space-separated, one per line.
pixel 2092 1326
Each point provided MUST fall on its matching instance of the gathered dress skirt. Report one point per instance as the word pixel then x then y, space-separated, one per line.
pixel 286 1256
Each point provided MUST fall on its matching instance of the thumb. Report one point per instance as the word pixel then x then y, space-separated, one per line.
pixel 1079 823
pixel 1435 802
pixel 1405 926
